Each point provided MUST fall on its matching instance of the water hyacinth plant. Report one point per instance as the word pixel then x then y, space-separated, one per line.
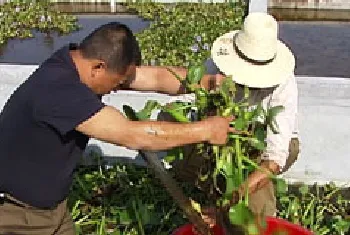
pixel 169 39
pixel 20 18
pixel 226 167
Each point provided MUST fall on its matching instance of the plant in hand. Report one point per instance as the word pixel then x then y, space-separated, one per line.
pixel 225 168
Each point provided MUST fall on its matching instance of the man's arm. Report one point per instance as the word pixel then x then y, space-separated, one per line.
pixel 111 126
pixel 277 149
pixel 159 79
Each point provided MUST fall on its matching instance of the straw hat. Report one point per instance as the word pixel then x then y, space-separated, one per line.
pixel 254 56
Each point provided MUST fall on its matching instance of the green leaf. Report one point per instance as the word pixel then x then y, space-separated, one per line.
pixel 260 133
pixel 230 186
pixel 228 89
pixel 201 98
pixel 173 154
pixel 239 124
pixel 240 214
pixel 130 113
pixel 270 117
pixel 195 74
pixel 178 110
pixel 258 144
pixel 304 189
pixel 253 229
pixel 146 112
pixel 281 186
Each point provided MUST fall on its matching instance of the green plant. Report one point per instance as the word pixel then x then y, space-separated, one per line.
pixel 88 215
pixel 226 167
pixel 19 18
pixel 120 199
pixel 322 209
pixel 170 38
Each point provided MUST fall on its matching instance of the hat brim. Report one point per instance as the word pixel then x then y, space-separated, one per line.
pixel 249 74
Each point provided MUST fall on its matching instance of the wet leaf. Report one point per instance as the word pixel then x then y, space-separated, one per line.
pixel 195 74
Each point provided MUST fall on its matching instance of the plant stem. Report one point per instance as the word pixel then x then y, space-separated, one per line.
pixel 239 160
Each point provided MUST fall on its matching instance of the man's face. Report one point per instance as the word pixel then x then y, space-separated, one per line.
pixel 104 81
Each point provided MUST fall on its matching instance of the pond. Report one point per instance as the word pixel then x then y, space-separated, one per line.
pixel 37 49
pixel 321 47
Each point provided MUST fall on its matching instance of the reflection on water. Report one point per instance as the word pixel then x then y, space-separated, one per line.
pixel 37 49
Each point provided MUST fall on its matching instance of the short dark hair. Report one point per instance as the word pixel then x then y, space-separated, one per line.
pixel 115 44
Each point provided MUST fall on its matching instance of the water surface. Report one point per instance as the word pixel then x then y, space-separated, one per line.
pixel 39 48
pixel 322 48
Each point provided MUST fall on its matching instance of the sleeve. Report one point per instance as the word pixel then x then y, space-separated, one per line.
pixel 65 106
pixel 210 66
pixel 278 144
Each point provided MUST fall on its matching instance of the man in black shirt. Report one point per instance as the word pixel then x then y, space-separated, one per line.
pixel 46 124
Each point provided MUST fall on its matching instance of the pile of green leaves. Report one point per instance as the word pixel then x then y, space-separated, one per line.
pixel 178 30
pixel 19 18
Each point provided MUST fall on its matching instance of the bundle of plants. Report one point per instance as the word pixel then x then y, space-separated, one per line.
pixel 223 169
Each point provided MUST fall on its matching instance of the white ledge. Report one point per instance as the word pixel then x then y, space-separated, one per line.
pixel 324 110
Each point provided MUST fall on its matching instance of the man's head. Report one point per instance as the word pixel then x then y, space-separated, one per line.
pixel 254 56
pixel 107 57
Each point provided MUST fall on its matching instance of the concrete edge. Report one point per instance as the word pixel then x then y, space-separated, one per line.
pixel 296 181
pixel 300 78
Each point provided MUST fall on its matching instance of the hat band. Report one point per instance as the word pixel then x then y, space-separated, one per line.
pixel 250 60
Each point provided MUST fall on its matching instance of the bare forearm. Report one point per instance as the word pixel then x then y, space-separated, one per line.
pixel 163 135
pixel 158 78
pixel 110 125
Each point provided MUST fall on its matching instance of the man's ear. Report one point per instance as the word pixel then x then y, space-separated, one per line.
pixel 98 67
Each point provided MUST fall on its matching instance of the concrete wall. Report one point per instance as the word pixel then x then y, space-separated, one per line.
pixel 311 4
pixel 323 118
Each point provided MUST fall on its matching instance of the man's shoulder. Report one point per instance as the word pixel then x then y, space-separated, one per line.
pixel 289 85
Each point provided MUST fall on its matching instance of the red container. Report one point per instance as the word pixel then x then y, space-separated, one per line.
pixel 273 225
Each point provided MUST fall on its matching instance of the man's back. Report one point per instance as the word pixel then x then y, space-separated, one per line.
pixel 38 144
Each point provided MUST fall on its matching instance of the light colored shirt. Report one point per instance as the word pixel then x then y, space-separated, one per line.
pixel 285 94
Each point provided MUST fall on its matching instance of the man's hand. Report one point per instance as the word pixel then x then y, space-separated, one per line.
pixel 218 129
pixel 259 178
pixel 211 82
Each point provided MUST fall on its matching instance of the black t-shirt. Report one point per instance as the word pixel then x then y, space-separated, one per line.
pixel 39 147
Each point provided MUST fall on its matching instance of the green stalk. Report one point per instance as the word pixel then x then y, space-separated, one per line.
pixel 247 160
pixel 139 222
pixel 239 160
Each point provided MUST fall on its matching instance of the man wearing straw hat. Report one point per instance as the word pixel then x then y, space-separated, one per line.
pixel 254 57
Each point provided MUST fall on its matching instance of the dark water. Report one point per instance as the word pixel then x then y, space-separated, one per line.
pixel 321 48
pixel 37 49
